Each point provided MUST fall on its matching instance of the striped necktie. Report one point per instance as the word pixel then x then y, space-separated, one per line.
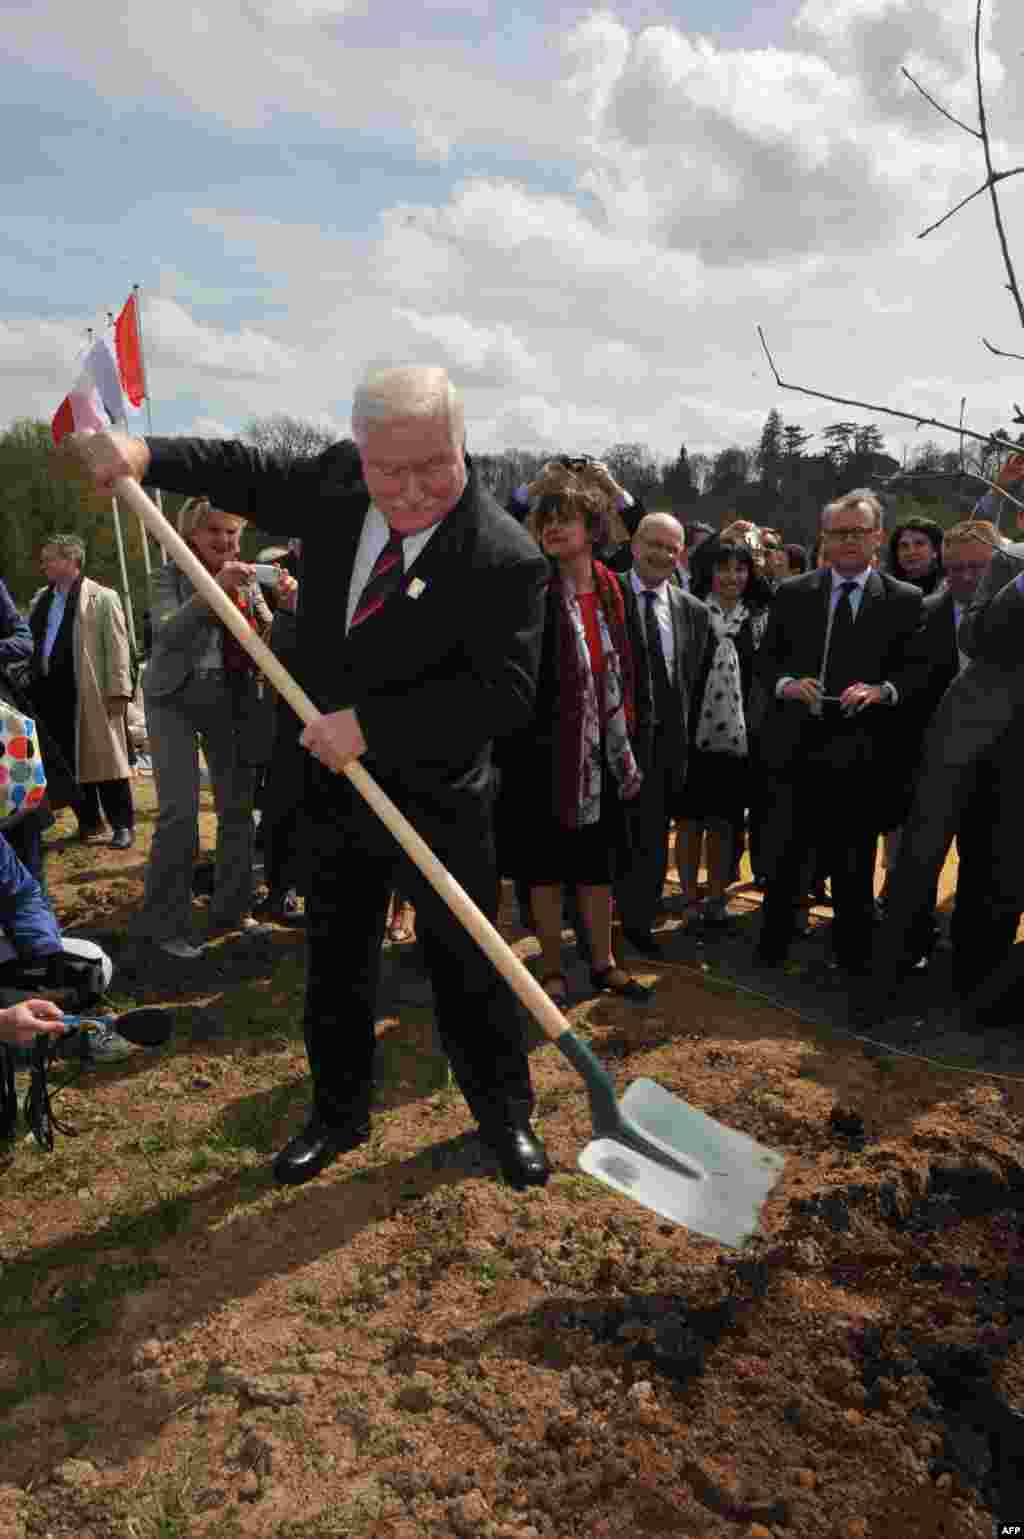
pixel 384 580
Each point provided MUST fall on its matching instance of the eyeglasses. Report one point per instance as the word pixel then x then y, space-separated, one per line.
pixel 847 534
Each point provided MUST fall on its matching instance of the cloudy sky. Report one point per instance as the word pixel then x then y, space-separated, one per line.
pixel 583 213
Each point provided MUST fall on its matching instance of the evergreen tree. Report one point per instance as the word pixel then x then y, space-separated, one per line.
pixel 770 453
pixel 793 440
pixel 677 481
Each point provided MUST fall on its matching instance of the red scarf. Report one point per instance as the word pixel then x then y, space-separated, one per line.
pixel 570 725
pixel 236 658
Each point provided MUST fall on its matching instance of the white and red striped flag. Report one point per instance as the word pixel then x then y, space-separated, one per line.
pixel 96 399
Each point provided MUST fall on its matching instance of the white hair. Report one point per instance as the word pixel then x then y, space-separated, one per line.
pixel 411 391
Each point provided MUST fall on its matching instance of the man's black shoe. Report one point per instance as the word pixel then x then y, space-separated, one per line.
pixel 310 1151
pixel 521 1155
pixel 644 942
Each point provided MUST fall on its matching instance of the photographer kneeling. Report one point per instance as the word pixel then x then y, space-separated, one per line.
pixel 35 957
pixel 21 1023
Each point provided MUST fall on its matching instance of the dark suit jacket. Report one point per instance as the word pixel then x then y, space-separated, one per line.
pixel 15 636
pixel 888 619
pixel 431 678
pixel 992 630
pixel 691 628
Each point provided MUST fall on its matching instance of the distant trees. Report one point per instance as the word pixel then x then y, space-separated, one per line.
pixel 38 503
pixel 290 438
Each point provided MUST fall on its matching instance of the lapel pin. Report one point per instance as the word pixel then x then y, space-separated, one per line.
pixel 416 587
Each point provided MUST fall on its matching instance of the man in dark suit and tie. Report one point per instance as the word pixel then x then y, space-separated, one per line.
pixel 833 666
pixel 419 629
pixel 908 932
pixel 969 785
pixel 674 629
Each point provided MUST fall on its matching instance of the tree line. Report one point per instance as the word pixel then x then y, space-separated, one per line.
pixel 783 480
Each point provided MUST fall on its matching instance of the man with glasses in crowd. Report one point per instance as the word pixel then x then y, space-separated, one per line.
pixel 834 667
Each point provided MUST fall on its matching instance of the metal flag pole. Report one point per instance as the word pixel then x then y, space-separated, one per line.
pixel 129 612
pixel 157 495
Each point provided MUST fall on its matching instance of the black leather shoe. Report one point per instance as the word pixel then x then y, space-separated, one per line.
pixel 521 1155
pixel 644 942
pixel 770 955
pixel 310 1151
pixel 123 839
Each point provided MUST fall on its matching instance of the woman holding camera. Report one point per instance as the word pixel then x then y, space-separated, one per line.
pixel 201 687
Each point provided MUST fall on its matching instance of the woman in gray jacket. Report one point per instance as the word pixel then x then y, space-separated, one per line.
pixel 201 687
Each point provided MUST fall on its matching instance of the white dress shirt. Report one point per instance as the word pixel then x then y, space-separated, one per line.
pixel 663 615
pixel 375 535
pixel 58 604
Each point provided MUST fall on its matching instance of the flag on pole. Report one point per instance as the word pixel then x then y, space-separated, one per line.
pixel 129 352
pixel 96 399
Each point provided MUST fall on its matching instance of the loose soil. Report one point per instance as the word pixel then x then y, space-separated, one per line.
pixel 408 1348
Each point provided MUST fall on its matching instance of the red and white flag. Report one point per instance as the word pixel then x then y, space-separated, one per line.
pixel 128 344
pixel 97 400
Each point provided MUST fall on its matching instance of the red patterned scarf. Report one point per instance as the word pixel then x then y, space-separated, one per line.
pixel 572 685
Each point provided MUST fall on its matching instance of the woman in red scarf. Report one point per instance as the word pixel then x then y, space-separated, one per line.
pixel 567 776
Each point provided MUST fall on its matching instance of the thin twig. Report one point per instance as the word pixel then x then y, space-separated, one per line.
pixel 986 186
pixel 928 98
pixel 889 411
pixel 963 462
pixel 997 212
pixel 1000 353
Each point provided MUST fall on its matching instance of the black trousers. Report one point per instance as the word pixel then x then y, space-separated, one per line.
pixel 57 701
pixel 355 866
pixel 115 799
pixel 834 813
pixel 639 889
pixel 990 884
pixel 980 803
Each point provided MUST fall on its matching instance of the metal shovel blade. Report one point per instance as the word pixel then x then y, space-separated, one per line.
pixel 684 1165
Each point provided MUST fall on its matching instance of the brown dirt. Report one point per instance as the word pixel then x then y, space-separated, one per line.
pixel 408 1348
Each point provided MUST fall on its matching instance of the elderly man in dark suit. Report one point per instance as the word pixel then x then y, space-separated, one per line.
pixel 833 664
pixel 420 621
pixel 673 629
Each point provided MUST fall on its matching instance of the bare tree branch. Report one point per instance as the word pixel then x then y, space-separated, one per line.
pixel 992 176
pixel 889 411
pixel 997 212
pixel 999 351
pixel 986 186
pixel 963 462
pixel 928 98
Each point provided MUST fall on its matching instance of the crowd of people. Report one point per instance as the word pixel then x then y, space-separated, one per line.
pixel 564 698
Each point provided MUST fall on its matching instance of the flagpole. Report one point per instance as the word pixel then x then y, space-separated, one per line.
pixel 157 498
pixel 143 535
pixel 129 613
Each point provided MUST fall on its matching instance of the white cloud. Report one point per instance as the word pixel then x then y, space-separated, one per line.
pixel 684 191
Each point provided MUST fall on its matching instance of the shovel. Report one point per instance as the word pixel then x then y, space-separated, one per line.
pixel 653 1147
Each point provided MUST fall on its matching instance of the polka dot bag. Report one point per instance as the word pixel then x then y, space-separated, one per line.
pixel 22 776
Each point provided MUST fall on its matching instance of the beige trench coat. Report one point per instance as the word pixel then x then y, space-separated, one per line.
pixel 103 680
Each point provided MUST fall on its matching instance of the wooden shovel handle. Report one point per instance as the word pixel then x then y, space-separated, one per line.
pixel 543 1009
